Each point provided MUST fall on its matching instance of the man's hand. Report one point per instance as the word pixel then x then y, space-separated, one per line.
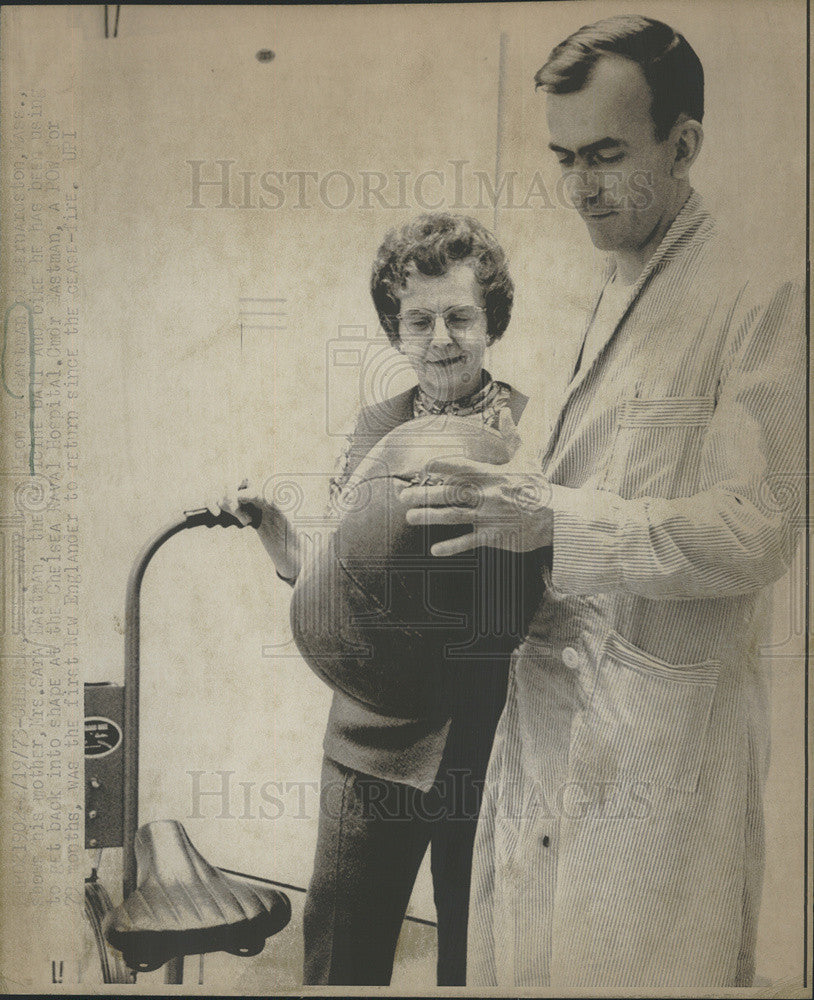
pixel 506 504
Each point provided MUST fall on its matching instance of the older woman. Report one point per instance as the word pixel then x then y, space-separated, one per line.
pixel 392 785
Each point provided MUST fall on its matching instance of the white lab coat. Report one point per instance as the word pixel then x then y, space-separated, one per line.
pixel 621 837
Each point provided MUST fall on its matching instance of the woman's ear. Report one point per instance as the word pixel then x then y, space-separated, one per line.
pixel 687 136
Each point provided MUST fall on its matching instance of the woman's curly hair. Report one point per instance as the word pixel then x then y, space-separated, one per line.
pixel 431 243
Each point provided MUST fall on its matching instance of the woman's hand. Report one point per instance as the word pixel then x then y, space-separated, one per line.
pixel 275 531
pixel 236 500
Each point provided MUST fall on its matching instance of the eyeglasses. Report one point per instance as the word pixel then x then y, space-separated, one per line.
pixel 457 319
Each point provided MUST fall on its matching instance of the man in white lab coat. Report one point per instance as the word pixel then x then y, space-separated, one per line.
pixel 621 838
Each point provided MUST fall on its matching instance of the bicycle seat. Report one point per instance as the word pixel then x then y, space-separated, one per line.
pixel 185 906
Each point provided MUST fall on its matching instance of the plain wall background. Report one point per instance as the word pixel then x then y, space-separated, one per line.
pixel 173 406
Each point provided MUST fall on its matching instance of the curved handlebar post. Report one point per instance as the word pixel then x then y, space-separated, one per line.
pixel 200 517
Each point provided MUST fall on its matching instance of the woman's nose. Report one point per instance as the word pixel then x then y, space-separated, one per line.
pixel 440 335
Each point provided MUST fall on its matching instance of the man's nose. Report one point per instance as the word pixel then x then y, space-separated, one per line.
pixel 583 187
pixel 593 185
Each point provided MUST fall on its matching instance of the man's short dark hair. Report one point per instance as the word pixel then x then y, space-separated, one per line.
pixel 671 68
pixel 431 243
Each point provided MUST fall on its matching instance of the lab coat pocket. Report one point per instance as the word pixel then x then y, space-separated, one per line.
pixel 657 447
pixel 648 719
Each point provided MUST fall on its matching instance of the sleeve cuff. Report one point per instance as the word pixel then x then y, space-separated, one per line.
pixel 587 540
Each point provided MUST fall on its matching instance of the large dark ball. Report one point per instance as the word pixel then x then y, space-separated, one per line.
pixel 385 622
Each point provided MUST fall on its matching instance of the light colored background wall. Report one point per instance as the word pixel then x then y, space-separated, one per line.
pixel 173 406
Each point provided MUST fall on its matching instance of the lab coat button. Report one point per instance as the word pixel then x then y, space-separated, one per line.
pixel 570 657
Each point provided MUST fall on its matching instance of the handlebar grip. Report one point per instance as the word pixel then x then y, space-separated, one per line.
pixel 203 517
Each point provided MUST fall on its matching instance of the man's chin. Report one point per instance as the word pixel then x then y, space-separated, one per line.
pixel 603 231
pixel 603 240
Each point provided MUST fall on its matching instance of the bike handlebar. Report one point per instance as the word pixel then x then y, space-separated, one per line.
pixel 203 517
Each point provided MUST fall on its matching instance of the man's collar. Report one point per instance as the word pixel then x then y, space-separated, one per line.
pixel 692 216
